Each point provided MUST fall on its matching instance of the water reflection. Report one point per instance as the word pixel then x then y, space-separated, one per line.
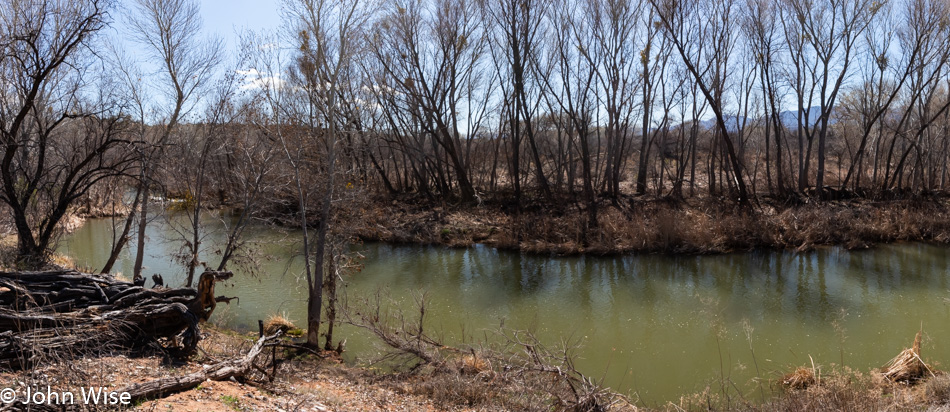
pixel 657 325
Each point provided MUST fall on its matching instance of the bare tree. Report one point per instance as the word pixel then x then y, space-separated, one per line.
pixel 923 99
pixel 516 40
pixel 918 35
pixel 573 92
pixel 60 136
pixel 129 79
pixel 328 38
pixel 170 32
pixel 253 178
pixel 191 171
pixel 434 60
pixel 652 62
pixel 822 37
pixel 704 36
pixel 761 28
pixel 613 50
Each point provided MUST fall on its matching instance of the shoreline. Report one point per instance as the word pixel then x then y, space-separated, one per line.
pixel 660 227
pixel 329 384
pixel 640 226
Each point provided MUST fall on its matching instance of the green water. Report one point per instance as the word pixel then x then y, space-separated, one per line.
pixel 655 327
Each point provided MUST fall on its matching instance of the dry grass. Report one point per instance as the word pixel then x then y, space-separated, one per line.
pixel 276 323
pixel 836 397
pixel 472 364
pixel 907 366
pixel 801 378
pixel 936 390
pixel 8 252
pixel 842 389
pixel 448 391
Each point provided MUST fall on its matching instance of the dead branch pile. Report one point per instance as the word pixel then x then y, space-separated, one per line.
pixel 225 370
pixel 907 366
pixel 406 337
pixel 529 369
pixel 68 313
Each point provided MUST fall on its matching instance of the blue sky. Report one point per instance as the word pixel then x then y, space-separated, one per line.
pixel 227 17
pixel 222 18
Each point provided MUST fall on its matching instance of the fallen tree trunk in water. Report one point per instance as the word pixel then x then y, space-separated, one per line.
pixel 67 313
pixel 225 370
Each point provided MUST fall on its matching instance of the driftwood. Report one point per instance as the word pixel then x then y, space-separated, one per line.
pixel 225 370
pixel 70 313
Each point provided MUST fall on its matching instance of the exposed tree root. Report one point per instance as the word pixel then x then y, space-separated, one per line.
pixel 67 313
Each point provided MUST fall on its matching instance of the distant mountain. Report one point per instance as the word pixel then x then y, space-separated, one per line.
pixel 789 119
pixel 732 123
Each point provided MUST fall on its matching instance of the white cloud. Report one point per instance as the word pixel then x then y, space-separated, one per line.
pixel 255 80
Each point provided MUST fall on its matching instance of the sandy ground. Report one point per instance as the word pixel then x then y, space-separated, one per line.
pixel 304 384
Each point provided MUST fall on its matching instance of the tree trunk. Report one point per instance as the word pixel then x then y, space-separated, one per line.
pixel 124 237
pixel 140 242
pixel 331 301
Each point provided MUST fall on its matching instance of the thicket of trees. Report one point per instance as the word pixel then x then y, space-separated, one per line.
pixel 523 102
pixel 531 101
pixel 577 97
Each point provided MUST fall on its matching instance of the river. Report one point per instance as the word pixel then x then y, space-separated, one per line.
pixel 654 327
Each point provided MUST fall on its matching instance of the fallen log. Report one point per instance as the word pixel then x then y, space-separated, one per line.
pixel 225 370
pixel 67 313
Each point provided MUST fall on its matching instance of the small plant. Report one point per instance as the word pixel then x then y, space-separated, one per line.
pixel 231 402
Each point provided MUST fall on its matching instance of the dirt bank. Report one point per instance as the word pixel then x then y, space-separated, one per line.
pixel 305 384
pixel 657 226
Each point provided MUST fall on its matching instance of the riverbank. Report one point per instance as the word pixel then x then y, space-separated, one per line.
pixel 789 290
pixel 311 383
pixel 476 379
pixel 667 226
pixel 301 384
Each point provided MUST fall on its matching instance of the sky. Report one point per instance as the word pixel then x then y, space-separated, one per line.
pixel 227 17
pixel 223 18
